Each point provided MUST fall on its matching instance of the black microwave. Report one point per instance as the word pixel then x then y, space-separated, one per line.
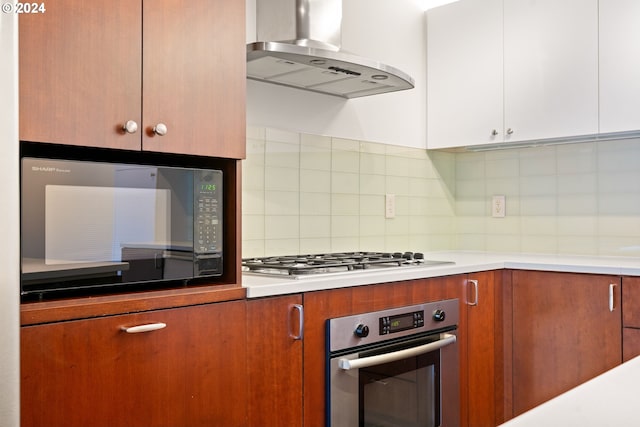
pixel 89 225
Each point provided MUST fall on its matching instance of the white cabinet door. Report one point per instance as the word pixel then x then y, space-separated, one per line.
pixel 464 74
pixel 619 65
pixel 550 68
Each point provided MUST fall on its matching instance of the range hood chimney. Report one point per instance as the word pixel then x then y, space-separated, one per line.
pixel 306 53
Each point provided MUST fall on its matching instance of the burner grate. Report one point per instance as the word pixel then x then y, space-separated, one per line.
pixel 295 265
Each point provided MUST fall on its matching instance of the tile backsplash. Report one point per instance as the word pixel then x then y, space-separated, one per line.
pixel 307 193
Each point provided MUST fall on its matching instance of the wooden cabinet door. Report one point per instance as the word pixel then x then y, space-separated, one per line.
pixel 564 333
pixel 630 317
pixel 478 349
pixel 619 62
pixel 550 68
pixel 194 76
pixel 630 343
pixel 92 373
pixel 274 361
pixel 464 76
pixel 80 67
pixel 631 302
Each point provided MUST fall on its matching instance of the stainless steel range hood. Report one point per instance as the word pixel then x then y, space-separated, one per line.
pixel 306 53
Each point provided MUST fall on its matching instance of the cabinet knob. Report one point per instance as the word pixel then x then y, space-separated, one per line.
pixel 130 126
pixel 494 132
pixel 509 131
pixel 160 129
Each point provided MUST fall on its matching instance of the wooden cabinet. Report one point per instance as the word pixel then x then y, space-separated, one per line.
pixel 92 373
pixel 566 330
pixel 630 317
pixel 322 305
pixel 481 350
pixel 80 73
pixel 274 361
pixel 480 337
pixel 495 74
pixel 630 343
pixel 619 65
pixel 87 68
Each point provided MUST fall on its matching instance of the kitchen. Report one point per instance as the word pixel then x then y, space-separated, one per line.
pixel 585 207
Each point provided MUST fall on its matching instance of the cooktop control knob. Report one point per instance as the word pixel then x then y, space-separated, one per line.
pixel 361 331
pixel 439 315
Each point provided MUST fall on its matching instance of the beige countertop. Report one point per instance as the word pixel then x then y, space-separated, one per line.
pixel 464 262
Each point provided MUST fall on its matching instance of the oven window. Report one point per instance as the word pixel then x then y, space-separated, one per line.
pixel 405 393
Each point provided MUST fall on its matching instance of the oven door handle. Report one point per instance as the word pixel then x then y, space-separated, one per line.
pixel 365 362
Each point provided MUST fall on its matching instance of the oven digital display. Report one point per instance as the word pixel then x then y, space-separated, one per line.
pixel 401 322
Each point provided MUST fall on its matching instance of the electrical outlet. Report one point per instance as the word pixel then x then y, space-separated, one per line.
pixel 389 205
pixel 498 206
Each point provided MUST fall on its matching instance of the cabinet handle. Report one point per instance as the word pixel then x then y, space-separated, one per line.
pixel 494 132
pixel 612 287
pixel 475 286
pixel 509 131
pixel 130 126
pixel 300 309
pixel 144 328
pixel 160 129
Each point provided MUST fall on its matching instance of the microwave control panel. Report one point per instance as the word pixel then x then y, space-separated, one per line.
pixel 207 233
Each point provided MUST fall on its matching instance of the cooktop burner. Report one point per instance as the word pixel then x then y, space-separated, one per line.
pixel 312 264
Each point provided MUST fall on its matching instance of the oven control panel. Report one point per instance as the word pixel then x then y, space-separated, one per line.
pixel 401 322
pixel 378 326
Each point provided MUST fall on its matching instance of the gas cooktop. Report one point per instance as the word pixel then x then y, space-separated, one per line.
pixel 297 266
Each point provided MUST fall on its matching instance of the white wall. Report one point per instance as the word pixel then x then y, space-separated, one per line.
pixel 392 32
pixel 9 224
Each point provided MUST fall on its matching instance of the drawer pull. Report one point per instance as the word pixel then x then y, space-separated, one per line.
pixel 475 287
pixel 144 328
pixel 612 288
pixel 300 309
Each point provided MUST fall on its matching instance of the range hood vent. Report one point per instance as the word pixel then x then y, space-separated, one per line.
pixel 306 52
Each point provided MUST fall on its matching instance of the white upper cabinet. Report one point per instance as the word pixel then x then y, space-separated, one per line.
pixel 511 70
pixel 550 68
pixel 619 65
pixel 464 74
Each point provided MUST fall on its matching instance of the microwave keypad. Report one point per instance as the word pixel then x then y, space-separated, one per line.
pixel 207 222
pixel 207 232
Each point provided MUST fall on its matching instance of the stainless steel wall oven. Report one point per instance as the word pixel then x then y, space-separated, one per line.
pixel 396 367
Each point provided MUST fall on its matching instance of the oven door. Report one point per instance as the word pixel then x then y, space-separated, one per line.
pixel 409 383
